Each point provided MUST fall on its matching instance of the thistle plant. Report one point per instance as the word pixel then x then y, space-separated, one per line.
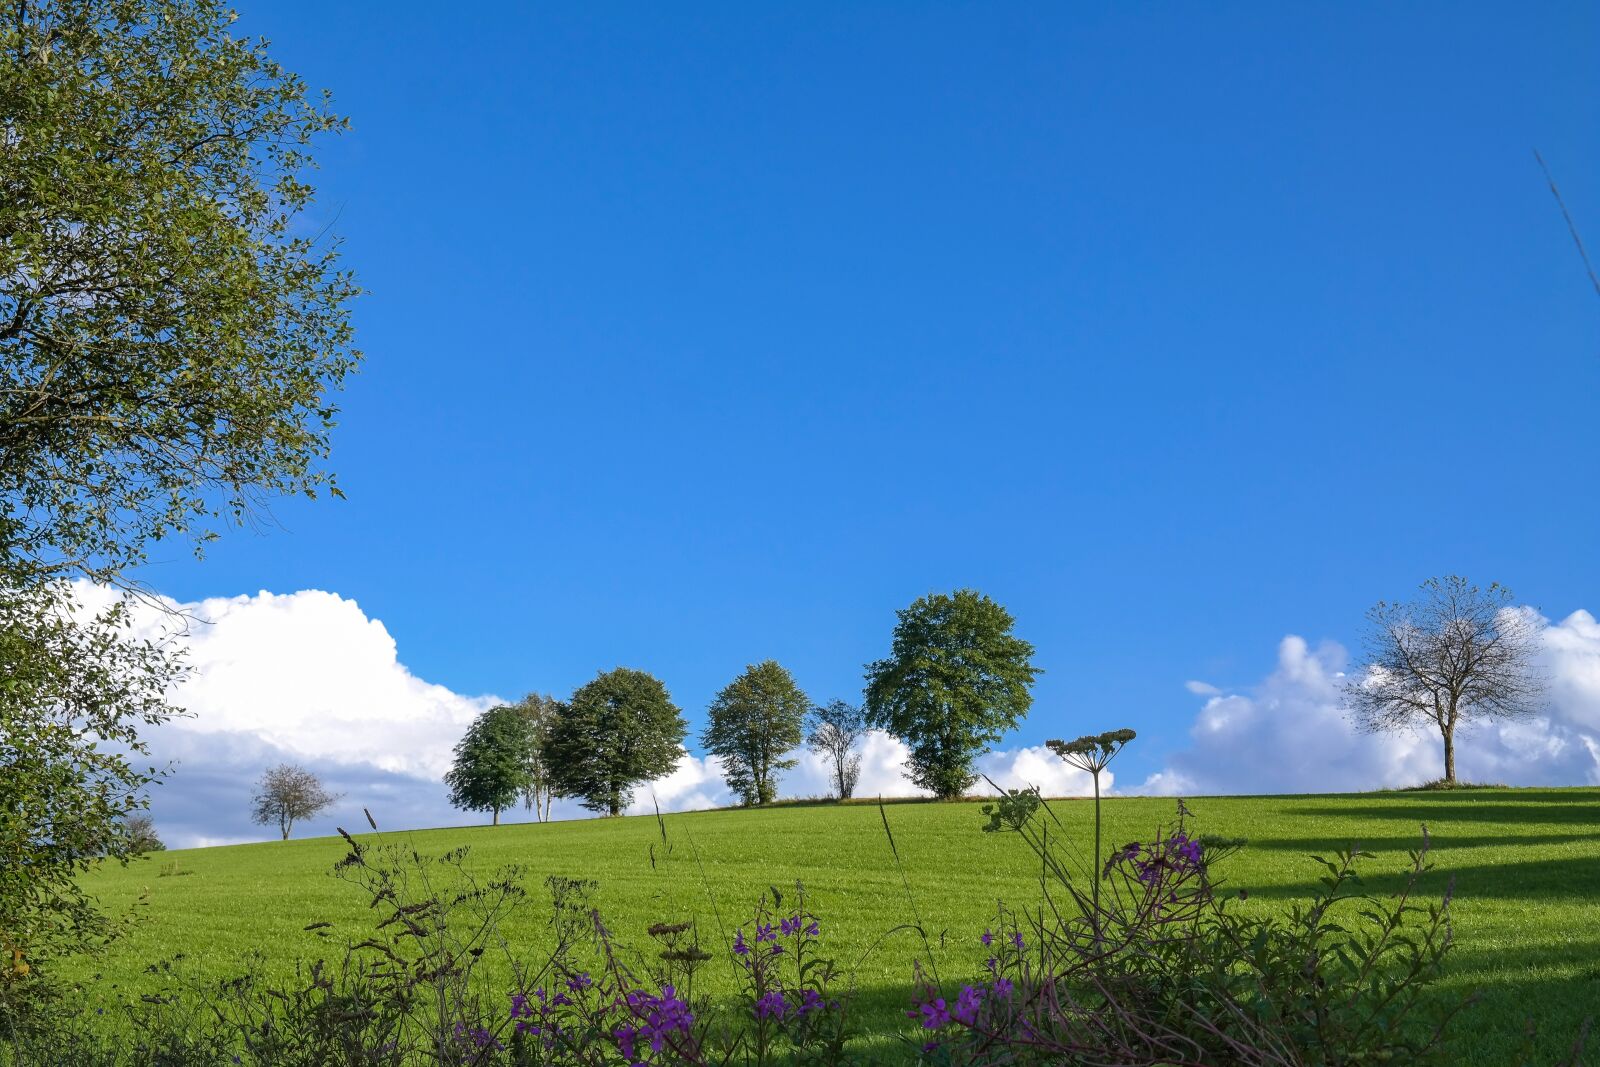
pixel 1093 753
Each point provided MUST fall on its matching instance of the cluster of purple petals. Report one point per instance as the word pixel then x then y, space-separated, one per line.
pixel 1180 853
pixel 654 1017
pixel 476 1036
pixel 937 1012
pixel 774 1005
pixel 768 934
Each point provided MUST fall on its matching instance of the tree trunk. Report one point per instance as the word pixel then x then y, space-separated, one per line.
pixel 1450 756
pixel 496 821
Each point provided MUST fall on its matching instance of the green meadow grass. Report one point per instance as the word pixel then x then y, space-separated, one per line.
pixel 1525 866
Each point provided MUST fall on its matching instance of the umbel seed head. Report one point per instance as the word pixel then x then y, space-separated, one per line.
pixel 1092 751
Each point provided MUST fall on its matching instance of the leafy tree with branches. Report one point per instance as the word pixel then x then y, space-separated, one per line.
pixel 74 698
pixel 619 730
pixel 141 831
pixel 956 679
pixel 171 335
pixel 753 723
pixel 288 794
pixel 1457 655
pixel 169 332
pixel 493 764
pixel 539 715
pixel 835 727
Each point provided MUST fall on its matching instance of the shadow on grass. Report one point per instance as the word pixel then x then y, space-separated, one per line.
pixel 1443 841
pixel 1545 879
pixel 1451 808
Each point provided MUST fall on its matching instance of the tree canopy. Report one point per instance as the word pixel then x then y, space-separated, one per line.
pixel 754 721
pixel 74 696
pixel 170 332
pixel 619 730
pixel 1455 655
pixel 494 762
pixel 956 679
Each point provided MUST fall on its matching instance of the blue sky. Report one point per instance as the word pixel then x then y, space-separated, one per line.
pixel 698 336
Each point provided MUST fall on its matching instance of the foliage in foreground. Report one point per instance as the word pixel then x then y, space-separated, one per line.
pixel 1167 967
pixel 73 697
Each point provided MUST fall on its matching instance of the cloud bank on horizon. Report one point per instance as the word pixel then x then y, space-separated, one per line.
pixel 308 677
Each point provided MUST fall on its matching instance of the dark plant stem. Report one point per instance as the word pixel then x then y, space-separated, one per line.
pixel 1095 859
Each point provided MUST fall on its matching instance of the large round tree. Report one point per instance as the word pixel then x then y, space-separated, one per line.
pixel 955 680
pixel 617 731
pixel 756 720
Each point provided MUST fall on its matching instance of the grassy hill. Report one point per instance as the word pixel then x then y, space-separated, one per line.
pixel 1525 866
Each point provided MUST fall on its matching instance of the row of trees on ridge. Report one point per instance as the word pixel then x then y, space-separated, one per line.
pixel 955 680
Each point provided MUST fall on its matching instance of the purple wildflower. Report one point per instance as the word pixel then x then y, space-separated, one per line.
pixel 772 1005
pixel 987 939
pixel 934 1014
pixel 966 1009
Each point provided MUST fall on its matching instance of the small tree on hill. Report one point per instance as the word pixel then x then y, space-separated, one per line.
pixel 756 719
pixel 1456 655
pixel 287 794
pixel 539 714
pixel 140 830
pixel 493 762
pixel 617 731
pixel 955 681
pixel 835 728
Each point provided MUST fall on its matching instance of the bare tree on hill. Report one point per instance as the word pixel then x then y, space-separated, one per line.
pixel 1456 655
pixel 287 793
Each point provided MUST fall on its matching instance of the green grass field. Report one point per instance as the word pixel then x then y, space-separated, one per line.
pixel 1525 863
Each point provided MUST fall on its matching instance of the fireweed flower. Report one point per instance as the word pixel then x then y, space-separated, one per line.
pixel 966 1009
pixel 791 926
pixel 739 947
pixel 579 982
pixel 1016 941
pixel 1003 988
pixel 987 939
pixel 658 1017
pixel 810 1001
pixel 764 932
pixel 477 1035
pixel 934 1014
pixel 772 1005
